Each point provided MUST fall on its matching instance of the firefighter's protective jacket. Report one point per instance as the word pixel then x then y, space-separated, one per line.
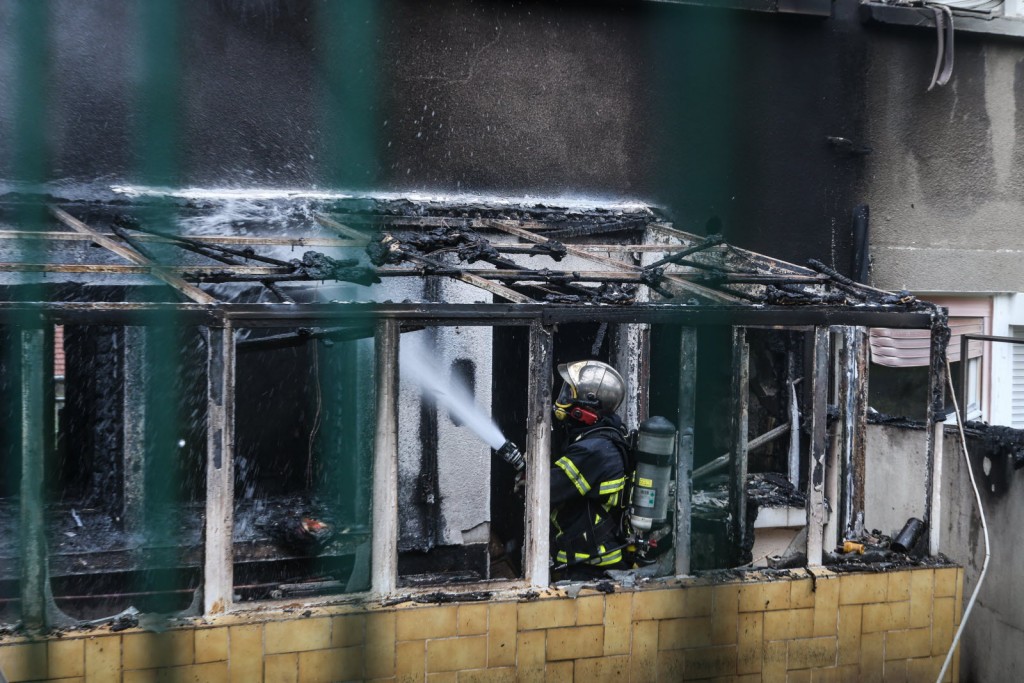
pixel 588 480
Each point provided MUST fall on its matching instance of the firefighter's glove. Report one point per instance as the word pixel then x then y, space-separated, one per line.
pixel 519 488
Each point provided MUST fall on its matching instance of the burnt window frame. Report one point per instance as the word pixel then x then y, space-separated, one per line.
pixel 542 321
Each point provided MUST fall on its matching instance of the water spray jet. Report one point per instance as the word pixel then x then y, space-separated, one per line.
pixel 419 368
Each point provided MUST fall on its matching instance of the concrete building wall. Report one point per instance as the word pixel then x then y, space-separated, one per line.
pixel 991 641
pixel 897 625
pixel 945 179
pixel 944 183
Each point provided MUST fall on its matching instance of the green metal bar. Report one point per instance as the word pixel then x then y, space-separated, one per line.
pixel 341 387
pixel 160 91
pixel 171 449
pixel 347 32
pixel 27 350
pixel 34 578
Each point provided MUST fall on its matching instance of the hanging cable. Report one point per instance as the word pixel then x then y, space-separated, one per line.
pixel 316 418
pixel 984 528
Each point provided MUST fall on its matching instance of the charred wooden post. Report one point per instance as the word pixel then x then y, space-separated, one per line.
pixel 218 585
pixel 384 552
pixel 833 453
pixel 818 446
pixel 853 411
pixel 934 417
pixel 793 455
pixel 631 355
pixel 538 449
pixel 133 439
pixel 684 468
pixel 738 463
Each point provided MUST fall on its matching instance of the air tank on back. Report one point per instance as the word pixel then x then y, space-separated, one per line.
pixel 656 446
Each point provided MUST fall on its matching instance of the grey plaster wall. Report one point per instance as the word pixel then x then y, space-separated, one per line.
pixel 991 642
pixel 894 491
pixel 946 179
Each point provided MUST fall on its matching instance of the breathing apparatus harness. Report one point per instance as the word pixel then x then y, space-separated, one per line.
pixel 637 520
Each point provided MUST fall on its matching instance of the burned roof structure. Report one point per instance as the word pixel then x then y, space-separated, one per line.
pixel 632 253
pixel 256 273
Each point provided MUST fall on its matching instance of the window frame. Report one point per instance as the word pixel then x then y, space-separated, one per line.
pixel 542 320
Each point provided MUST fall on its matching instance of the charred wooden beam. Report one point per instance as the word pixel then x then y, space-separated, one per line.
pixel 526 274
pixel 342 229
pixel 761 261
pixel 833 451
pixel 536 555
pixel 384 549
pixel 130 241
pixel 208 249
pixel 818 447
pixel 284 315
pixel 794 426
pixel 709 241
pixel 755 443
pixel 225 255
pixel 738 460
pixel 588 228
pixel 689 287
pixel 284 241
pixel 191 291
pixel 195 272
pixel 493 288
pixel 852 381
pixel 468 246
pixel 934 416
pixel 573 226
pixel 730 278
pixel 470 278
pixel 304 334
pixel 684 467
pixel 218 574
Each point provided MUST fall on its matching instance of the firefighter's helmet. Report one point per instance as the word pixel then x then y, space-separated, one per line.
pixel 591 385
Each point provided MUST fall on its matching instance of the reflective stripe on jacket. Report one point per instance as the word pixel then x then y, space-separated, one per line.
pixel 587 482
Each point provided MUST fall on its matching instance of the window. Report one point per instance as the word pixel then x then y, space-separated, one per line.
pixel 304 407
pixel 899 370
pixel 1017 401
pixel 462 389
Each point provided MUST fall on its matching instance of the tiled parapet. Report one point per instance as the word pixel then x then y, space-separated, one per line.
pixel 892 626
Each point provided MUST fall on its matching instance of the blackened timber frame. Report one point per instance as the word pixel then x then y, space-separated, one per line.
pixel 684 468
pixel 538 488
pixel 384 560
pixel 218 582
pixel 274 315
pixel 221 319
pixel 738 461
pixel 819 443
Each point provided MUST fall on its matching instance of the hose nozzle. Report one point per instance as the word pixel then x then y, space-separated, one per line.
pixel 510 453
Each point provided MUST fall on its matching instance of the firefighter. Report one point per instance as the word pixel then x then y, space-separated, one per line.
pixel 589 470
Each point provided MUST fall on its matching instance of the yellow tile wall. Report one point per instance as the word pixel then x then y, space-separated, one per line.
pixel 894 626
